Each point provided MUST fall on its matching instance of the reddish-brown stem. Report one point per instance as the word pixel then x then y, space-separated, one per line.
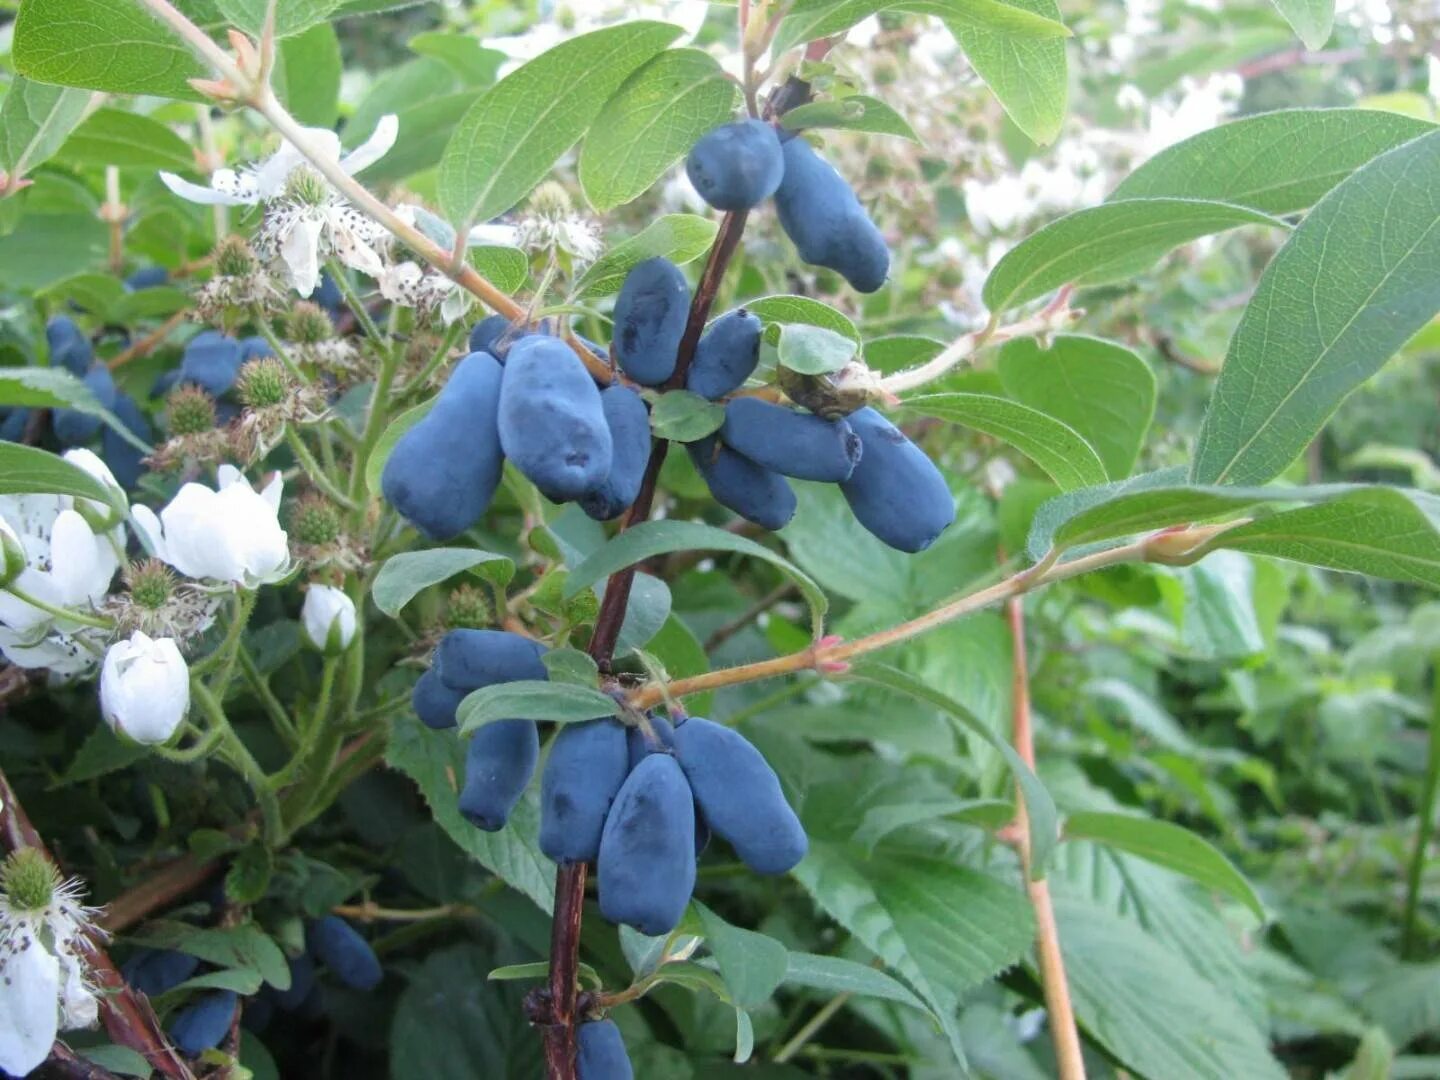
pixel 128 1018
pixel 1070 1062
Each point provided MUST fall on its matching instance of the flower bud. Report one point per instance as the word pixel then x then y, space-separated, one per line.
pixel 233 258
pixel 328 619
pixel 192 411
pixel 144 688
pixel 99 516
pixel 315 520
pixel 262 383
pixel 308 324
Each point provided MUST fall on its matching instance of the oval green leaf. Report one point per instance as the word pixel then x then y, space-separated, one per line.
pixel 403 576
pixel 529 699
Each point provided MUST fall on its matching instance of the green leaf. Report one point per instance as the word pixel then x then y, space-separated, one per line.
pixel 860 112
pixel 751 964
pixel 111 45
pixel 507 268
pixel 249 875
pixel 50 388
pixel 685 416
pixel 1026 72
pixel 807 20
pixel 471 61
pixel 1107 242
pixel 1277 162
pixel 403 576
pixel 1355 280
pixel 102 751
pixel 1148 1007
pixel 1312 20
pixel 127 140
pixel 841 976
pixel 1382 532
pixel 681 238
pixel 571 666
pixel 801 309
pixel 1052 444
pixel 1101 389
pixel 1168 845
pixel 25 470
pixel 385 445
pixel 530 699
pixel 651 122
pixel 34 121
pixel 516 130
pixel 117 1059
pixel 308 76
pixel 814 350
pixel 433 759
pixel 1040 808
pixel 246 947
pixel 651 538
pixel 291 16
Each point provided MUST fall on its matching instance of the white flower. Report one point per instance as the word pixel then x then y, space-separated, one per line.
pixel 65 654
pixel 328 618
pixel 306 220
pixel 67 563
pixel 144 688
pixel 91 463
pixel 409 285
pixel 230 535
pixel 44 984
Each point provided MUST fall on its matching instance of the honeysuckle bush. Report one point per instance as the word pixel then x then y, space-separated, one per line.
pixel 1101 715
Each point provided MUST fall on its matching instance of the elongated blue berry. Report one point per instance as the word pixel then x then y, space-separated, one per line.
pixel 156 971
pixel 754 492
pixel 203 1024
pixel 13 422
pixel 600 1052
pixel 552 423
pixel 69 347
pixel 443 472
pixel 498 766
pixel 726 355
pixel 736 166
pixel 73 427
pixel 629 423
pixel 485 333
pixel 650 316
pixel 302 983
pixel 662 741
pixel 795 443
pixel 587 764
pixel 339 946
pixel 211 361
pixel 470 659
pixel 147 277
pixel 740 796
pixel 819 212
pixel 896 492
pixel 434 702
pixel 125 460
pixel 647 851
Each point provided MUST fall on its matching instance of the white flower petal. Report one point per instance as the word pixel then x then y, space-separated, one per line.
pixel 300 252
pixel 373 148
pixel 273 489
pixel 495 235
pixel 29 1018
pixel 197 194
pixel 77 567
pixel 327 607
pixel 144 688
pixel 147 527
pixel 456 303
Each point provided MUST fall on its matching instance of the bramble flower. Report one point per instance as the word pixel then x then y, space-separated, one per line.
pixel 231 535
pixel 306 220
pixel 328 619
pixel 551 224
pixel 44 982
pixel 144 688
pixel 426 291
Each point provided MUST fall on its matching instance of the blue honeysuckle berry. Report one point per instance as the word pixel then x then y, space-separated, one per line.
pixel 754 492
pixel 125 460
pixel 661 740
pixel 600 1052
pixel 737 166
pixel 726 356
pixel 302 983
pixel 13 421
pixel 211 361
pixel 485 333
pixel 69 347
pixel 896 492
pixel 147 277
pixel 156 971
pixel 629 423
pixel 587 764
pixel 73 427
pixel 203 1024
pixel 337 945
pixel 646 867
pixel 819 212
pixel 650 316
pixel 798 444
pixel 499 763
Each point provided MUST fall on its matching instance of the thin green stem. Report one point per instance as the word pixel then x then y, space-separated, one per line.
pixel 375 421
pixel 352 301
pixel 1425 823
pixel 314 472
pixel 319 720
pixel 277 346
pixel 811 1026
pixel 196 750
pixel 261 687
pixel 240 758
pixel 59 612
pixel 452 335
pixel 244 605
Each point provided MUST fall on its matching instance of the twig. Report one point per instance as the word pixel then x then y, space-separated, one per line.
pixel 149 342
pixel 728 630
pixel 1070 1062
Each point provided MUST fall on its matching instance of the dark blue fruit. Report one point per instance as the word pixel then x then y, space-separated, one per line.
pixel 629 423
pixel 125 460
pixel 726 355
pixel 337 945
pixel 896 492
pixel 552 422
pixel 156 971
pixel 600 1052
pixel 650 316
pixel 647 851
pixel 434 702
pixel 443 472
pixel 498 766
pixel 73 427
pixel 487 332
pixel 69 347
pixel 820 213
pixel 328 295
pixel 147 277
pixel 754 492
pixel 662 741
pixel 587 764
pixel 203 1024
pixel 211 361
pixel 302 982
pixel 740 796
pixel 798 444
pixel 470 659
pixel 253 348
pixel 164 383
pixel 13 422
pixel 737 166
